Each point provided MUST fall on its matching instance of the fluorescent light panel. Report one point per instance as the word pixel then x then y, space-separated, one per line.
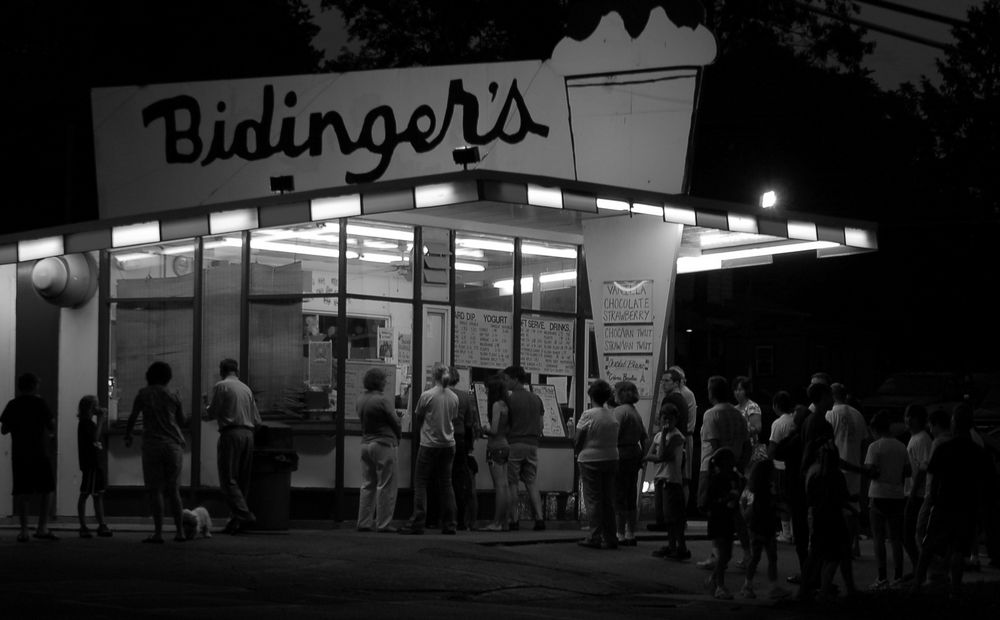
pixel 860 238
pixel 530 249
pixel 135 234
pixel 801 230
pixel 467 266
pixel 232 221
pixel 335 207
pixel 444 194
pixel 714 261
pixel 612 205
pixel 545 196
pixel 678 215
pixel 507 286
pixel 654 210
pixel 34 249
pixel 742 223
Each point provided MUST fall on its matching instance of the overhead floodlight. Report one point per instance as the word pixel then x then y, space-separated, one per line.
pixel 769 199
pixel 465 155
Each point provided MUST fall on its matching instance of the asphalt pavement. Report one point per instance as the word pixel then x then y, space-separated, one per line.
pixel 322 570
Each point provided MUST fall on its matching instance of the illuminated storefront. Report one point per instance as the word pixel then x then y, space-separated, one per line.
pixel 528 213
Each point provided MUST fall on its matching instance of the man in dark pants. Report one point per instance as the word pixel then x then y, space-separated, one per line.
pixel 233 406
pixel 466 431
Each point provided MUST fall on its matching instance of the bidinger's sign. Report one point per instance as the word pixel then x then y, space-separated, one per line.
pixel 610 109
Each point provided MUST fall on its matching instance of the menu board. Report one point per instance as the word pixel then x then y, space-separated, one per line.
pixel 552 423
pixel 483 338
pixel 482 402
pixel 547 345
pixel 354 381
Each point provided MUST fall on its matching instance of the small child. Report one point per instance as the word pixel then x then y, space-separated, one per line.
pixel 90 433
pixel 759 506
pixel 667 451
pixel 721 500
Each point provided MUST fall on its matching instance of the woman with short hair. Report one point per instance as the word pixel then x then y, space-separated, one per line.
pixel 381 432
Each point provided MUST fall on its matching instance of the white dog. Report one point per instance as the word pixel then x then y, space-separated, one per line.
pixel 197 522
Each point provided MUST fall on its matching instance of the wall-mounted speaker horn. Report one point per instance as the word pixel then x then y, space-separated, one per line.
pixel 67 281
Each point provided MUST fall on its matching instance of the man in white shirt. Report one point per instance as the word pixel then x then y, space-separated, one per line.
pixel 849 433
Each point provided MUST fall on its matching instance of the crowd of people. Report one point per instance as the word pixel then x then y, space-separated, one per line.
pixel 818 478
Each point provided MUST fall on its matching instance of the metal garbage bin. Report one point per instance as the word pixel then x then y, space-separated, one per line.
pixel 274 460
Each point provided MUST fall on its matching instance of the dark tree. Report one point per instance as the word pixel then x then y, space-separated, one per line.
pixel 54 52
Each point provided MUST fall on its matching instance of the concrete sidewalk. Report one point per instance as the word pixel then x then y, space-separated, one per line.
pixel 324 571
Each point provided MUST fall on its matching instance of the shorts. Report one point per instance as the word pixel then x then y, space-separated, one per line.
pixel 523 463
pixel 161 465
pixel 950 529
pixel 32 474
pixel 497 456
pixel 93 481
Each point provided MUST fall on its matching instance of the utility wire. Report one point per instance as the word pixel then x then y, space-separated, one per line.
pixel 900 8
pixel 870 26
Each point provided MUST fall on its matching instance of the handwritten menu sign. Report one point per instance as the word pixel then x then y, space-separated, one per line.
pixel 547 345
pixel 483 338
pixel 635 368
pixel 627 324
pixel 552 424
pixel 482 403
pixel 354 381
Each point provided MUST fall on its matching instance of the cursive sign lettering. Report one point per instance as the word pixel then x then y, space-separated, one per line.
pixel 251 138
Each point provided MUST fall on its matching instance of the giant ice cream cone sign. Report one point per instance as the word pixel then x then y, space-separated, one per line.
pixel 608 109
pixel 631 101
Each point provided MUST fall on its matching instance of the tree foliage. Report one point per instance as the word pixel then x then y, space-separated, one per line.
pixel 55 51
pixel 963 116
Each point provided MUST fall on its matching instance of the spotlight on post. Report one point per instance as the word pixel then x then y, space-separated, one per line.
pixel 769 199
pixel 465 155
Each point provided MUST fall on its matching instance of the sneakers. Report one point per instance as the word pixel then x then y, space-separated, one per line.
pixel 493 527
pixel 410 531
pixel 85 533
pixel 104 531
pixel 879 586
pixel 707 564
pixel 722 594
pixel 664 552
pixel 747 591
pixel 683 554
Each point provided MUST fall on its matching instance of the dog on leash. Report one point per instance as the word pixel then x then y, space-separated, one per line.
pixel 196 523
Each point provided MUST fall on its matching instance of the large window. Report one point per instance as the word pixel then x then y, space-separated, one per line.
pixel 379 259
pixel 548 276
pixel 484 308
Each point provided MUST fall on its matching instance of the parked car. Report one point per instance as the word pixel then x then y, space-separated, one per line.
pixel 986 416
pixel 933 390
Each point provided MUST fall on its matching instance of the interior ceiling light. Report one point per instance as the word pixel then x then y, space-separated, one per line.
pixel 507 286
pixel 376 257
pixel 557 276
pixel 468 252
pixel 381 233
pixel 531 249
pixel 468 266
pixel 380 245
pixel 486 244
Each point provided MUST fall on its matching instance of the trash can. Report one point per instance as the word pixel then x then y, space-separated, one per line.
pixel 274 460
